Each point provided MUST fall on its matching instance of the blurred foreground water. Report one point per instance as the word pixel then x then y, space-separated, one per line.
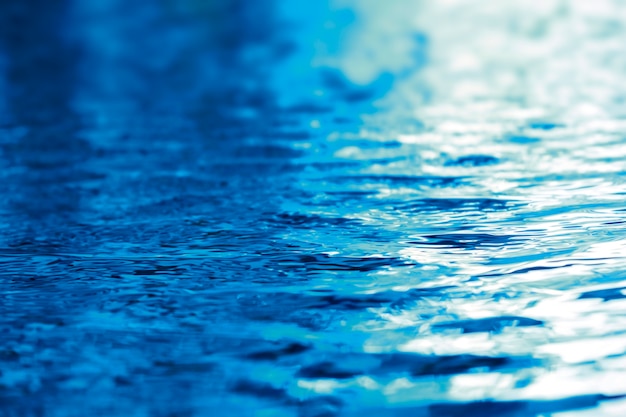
pixel 312 208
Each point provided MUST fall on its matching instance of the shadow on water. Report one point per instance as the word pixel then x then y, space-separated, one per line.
pixel 44 159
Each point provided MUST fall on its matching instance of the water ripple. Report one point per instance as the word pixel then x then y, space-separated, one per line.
pixel 311 210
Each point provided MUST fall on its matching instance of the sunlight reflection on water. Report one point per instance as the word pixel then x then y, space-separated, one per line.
pixel 315 209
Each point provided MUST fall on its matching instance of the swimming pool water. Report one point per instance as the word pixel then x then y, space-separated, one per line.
pixel 315 209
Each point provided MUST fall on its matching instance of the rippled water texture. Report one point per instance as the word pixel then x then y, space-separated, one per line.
pixel 312 208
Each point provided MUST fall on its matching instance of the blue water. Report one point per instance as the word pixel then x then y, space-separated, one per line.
pixel 312 208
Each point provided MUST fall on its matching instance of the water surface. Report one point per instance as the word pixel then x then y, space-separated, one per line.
pixel 330 208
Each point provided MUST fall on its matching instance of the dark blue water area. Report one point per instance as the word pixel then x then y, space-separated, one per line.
pixel 312 208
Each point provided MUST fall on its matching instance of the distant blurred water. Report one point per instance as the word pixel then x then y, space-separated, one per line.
pixel 313 208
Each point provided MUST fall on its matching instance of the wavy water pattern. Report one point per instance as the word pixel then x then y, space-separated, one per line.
pixel 313 209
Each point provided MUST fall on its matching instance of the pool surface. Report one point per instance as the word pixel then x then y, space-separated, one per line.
pixel 313 208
